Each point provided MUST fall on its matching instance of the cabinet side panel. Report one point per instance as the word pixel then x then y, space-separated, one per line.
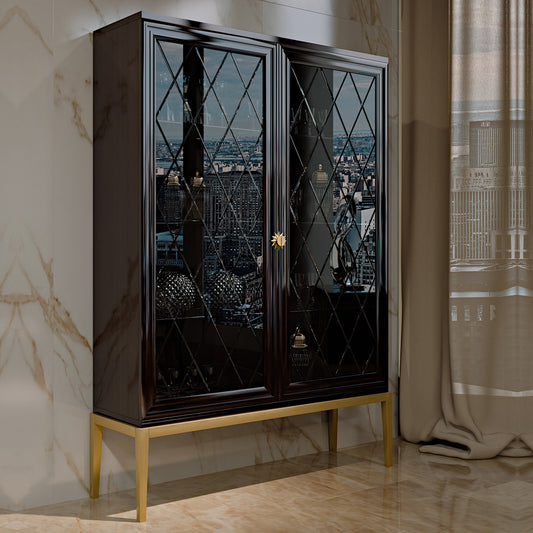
pixel 117 221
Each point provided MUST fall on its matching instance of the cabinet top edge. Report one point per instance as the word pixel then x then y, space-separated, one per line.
pixel 147 17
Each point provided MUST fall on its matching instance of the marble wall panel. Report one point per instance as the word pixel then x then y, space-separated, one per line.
pixel 374 13
pixel 26 342
pixel 46 246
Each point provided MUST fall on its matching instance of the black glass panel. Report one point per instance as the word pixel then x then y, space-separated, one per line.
pixel 332 304
pixel 209 220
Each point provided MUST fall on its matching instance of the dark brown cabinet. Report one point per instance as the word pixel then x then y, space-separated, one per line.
pixel 210 147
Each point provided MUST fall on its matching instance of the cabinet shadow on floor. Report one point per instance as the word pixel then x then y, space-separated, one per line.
pixel 289 481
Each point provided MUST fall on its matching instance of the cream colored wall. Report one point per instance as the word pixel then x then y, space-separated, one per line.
pixel 46 245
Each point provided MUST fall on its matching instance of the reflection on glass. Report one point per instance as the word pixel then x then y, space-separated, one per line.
pixel 490 222
pixel 333 213
pixel 209 221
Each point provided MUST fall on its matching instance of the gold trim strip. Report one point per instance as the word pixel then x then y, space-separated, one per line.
pixel 266 414
pixel 115 425
pixel 188 426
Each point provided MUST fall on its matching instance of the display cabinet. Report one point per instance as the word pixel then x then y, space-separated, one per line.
pixel 240 232
pixel 240 249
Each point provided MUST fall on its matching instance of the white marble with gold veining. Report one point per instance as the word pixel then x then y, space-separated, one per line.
pixel 46 247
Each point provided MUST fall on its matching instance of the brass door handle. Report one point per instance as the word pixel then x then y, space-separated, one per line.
pixel 278 240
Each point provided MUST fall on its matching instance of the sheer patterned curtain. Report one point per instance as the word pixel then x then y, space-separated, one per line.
pixel 467 336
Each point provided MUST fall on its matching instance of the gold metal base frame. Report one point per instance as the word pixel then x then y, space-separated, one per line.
pixel 143 435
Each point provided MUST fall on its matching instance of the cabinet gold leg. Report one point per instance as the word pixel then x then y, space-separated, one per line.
pixel 333 420
pixel 141 471
pixel 386 420
pixel 96 457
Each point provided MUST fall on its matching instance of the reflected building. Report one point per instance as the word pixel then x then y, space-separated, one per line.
pixel 499 143
pixel 488 215
pixel 488 218
pixel 489 248
pixel 231 201
pixel 233 214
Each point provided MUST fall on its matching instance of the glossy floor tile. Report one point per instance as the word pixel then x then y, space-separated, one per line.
pixel 348 491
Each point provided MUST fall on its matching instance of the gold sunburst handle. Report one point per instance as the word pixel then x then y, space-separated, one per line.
pixel 278 240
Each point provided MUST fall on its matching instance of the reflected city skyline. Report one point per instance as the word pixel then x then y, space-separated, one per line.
pixel 211 249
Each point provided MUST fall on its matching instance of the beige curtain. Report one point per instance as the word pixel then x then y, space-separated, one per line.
pixel 466 373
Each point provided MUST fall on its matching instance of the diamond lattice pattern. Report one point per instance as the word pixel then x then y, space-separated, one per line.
pixel 209 221
pixel 333 222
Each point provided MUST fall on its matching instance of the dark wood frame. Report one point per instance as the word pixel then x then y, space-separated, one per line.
pixel 352 62
pixel 194 405
pixel 124 365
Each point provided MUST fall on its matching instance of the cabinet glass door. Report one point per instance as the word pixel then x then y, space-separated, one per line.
pixel 209 245
pixel 333 208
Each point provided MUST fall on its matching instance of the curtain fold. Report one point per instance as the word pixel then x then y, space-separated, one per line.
pixel 424 234
pixel 466 383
